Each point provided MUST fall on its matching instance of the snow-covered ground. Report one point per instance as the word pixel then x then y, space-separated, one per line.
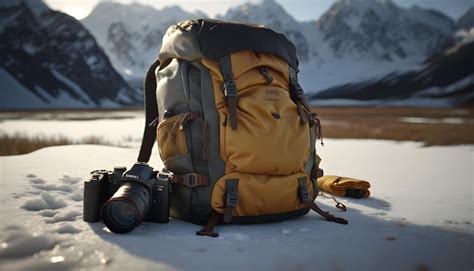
pixel 419 217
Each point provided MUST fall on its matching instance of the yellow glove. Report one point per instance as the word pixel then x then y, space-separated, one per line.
pixel 344 186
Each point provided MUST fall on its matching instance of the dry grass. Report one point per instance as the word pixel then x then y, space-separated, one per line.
pixel 21 144
pixel 338 122
pixel 386 123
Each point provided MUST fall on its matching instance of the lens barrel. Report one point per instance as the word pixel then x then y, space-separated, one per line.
pixel 127 207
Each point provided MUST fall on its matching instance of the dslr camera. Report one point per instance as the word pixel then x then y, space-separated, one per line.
pixel 123 199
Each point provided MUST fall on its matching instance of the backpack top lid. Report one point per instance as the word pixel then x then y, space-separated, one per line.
pixel 204 38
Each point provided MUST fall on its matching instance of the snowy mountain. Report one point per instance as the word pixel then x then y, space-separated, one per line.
pixel 465 27
pixel 131 34
pixel 467 20
pixel 49 60
pixel 384 31
pixel 446 79
pixel 355 40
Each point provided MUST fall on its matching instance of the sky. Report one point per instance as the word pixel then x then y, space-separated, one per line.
pixel 301 10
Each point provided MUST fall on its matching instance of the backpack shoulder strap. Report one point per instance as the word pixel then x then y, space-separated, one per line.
pixel 151 114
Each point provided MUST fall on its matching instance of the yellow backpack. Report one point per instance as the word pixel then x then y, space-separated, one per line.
pixel 232 125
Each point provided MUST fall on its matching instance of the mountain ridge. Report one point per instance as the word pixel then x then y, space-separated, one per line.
pixel 350 42
pixel 49 57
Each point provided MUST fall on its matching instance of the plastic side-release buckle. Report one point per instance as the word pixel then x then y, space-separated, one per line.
pixel 303 192
pixel 230 88
pixel 231 198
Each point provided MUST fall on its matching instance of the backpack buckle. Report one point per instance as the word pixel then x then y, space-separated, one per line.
pixel 190 180
pixel 231 198
pixel 303 192
pixel 194 180
pixel 230 88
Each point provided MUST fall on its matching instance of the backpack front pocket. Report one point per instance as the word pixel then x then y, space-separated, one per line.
pixel 174 142
pixel 261 195
pixel 171 137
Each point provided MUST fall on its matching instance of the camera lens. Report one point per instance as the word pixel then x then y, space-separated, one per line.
pixel 127 207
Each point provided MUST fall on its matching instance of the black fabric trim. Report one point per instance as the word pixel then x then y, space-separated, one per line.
pixel 219 38
pixel 268 218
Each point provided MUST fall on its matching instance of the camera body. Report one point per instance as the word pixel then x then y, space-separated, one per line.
pixel 103 184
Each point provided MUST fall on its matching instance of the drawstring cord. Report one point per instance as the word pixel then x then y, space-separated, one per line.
pixel 339 205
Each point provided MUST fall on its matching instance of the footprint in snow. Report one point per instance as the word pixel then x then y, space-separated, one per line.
pixel 67 229
pixel 69 216
pixel 48 213
pixel 70 180
pixel 66 188
pixel 37 181
pixel 18 242
pixel 379 213
pixel 78 196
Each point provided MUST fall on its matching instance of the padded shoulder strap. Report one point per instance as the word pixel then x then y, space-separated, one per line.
pixel 151 113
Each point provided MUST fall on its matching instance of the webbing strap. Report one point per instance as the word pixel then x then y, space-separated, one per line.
pixel 231 198
pixel 304 196
pixel 327 215
pixel 297 95
pixel 191 180
pixel 209 227
pixel 230 90
pixel 151 114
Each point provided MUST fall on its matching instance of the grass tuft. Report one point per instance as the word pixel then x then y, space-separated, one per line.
pixel 20 144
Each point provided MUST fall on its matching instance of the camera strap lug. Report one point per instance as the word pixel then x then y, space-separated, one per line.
pixel 190 180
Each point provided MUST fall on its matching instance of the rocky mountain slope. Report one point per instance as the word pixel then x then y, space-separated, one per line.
pixel 49 60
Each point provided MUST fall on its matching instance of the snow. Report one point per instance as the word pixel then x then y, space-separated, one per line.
pixel 433 121
pixel 12 91
pixel 317 75
pixel 410 102
pixel 439 91
pixel 419 216
pixel 77 89
pixel 142 22
pixel 465 36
